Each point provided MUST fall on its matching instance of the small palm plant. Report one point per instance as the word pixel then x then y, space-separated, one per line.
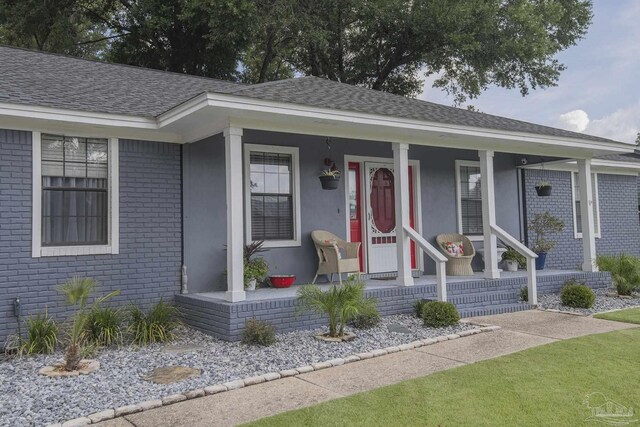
pixel 77 292
pixel 340 304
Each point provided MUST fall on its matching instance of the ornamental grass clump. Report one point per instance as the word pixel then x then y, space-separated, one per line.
pixel 42 337
pixel 625 272
pixel 340 304
pixel 258 332
pixel 77 292
pixel 577 295
pixel 157 325
pixel 105 326
pixel 439 314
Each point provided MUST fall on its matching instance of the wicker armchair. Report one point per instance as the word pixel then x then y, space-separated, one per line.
pixel 457 265
pixel 330 260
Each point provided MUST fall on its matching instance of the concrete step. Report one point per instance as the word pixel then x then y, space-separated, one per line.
pixel 485 299
pixel 495 309
pixel 482 287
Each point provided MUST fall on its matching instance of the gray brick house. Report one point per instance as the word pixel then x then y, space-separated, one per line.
pixel 134 176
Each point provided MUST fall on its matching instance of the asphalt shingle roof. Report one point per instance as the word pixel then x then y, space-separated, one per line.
pixel 41 79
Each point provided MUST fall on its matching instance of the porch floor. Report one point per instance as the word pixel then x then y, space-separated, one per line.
pixel 265 294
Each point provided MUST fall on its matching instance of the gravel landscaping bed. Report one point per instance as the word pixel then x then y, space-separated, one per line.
pixel 32 399
pixel 605 301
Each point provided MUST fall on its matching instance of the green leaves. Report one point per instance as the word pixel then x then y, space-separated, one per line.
pixel 340 304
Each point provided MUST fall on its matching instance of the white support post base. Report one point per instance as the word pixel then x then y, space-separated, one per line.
pixel 532 283
pixel 491 270
pixel 441 281
pixel 235 215
pixel 402 206
pixel 586 212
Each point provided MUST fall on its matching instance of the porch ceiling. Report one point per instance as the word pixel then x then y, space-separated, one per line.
pixel 209 114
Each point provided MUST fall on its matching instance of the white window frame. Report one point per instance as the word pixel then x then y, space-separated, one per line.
pixel 294 152
pixel 459 164
pixel 596 200
pixel 113 245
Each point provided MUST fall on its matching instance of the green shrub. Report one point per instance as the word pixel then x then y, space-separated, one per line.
pixel 417 307
pixel 155 326
pixel 104 326
pixel 524 293
pixel 42 336
pixel 367 318
pixel 624 269
pixel 577 295
pixel 437 314
pixel 340 304
pixel 258 332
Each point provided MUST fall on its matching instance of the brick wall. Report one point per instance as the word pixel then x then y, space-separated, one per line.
pixel 473 298
pixel 148 266
pixel 619 223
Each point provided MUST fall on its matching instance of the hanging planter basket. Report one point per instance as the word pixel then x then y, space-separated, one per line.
pixel 543 190
pixel 330 182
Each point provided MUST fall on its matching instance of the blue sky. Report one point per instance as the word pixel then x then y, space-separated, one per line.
pixel 598 93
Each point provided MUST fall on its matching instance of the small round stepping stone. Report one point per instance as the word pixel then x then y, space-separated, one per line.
pixel 398 329
pixel 171 374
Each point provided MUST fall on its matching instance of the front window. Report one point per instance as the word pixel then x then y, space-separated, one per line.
pixel 273 205
pixel 75 191
pixel 469 198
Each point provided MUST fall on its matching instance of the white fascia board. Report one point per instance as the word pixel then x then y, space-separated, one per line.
pixel 238 104
pixel 600 166
pixel 76 116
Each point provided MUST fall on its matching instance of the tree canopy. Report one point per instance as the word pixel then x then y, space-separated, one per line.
pixel 389 45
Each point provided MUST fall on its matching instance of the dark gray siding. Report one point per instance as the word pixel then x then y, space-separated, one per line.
pixel 620 227
pixel 148 266
pixel 205 207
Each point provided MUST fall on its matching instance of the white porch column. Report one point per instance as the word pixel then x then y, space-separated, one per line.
pixel 401 193
pixel 491 270
pixel 586 212
pixel 235 214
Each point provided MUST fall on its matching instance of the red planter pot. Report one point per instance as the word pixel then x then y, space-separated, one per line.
pixel 282 281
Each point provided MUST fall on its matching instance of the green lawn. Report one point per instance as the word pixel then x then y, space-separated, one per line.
pixel 542 386
pixel 630 315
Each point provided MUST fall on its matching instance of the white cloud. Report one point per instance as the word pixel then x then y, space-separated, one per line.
pixel 621 125
pixel 576 120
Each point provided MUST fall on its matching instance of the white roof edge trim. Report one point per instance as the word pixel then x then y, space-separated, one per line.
pixel 76 116
pixel 259 105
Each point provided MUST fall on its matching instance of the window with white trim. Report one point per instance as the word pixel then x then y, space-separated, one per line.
pixel 577 216
pixel 74 183
pixel 469 195
pixel 273 209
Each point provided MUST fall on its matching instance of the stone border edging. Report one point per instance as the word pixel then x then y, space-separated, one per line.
pixel 112 413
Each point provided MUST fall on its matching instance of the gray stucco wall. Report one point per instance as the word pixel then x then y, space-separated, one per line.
pixel 619 223
pixel 205 207
pixel 148 266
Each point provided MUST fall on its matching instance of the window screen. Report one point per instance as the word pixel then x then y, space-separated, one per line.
pixel 576 201
pixel 75 204
pixel 470 200
pixel 271 182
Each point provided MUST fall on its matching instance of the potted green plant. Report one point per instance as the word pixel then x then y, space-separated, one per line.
pixel 330 178
pixel 513 259
pixel 543 188
pixel 255 270
pixel 542 225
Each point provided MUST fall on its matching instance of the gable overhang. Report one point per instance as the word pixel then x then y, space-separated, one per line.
pixel 208 114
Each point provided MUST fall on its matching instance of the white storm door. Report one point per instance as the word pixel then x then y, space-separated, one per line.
pixel 380 217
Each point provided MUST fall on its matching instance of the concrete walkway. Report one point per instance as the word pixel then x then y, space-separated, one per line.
pixel 519 331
